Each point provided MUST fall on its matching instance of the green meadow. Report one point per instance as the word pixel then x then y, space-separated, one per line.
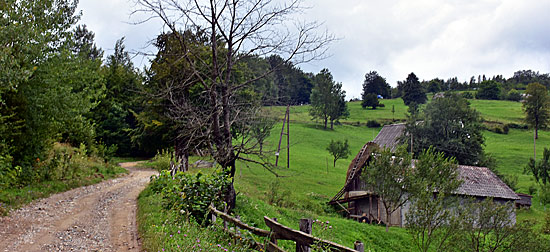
pixel 303 189
pixel 311 181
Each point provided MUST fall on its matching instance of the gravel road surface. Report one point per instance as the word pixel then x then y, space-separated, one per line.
pixel 100 217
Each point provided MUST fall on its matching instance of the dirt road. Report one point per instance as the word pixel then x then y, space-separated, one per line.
pixel 99 217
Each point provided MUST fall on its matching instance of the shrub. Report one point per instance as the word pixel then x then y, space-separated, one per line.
pixel 373 124
pixel 532 189
pixel 161 161
pixel 191 194
pixel 513 95
pixel 277 195
pixel 467 95
pixel 517 126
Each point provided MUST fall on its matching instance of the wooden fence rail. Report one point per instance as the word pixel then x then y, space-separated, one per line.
pixel 303 238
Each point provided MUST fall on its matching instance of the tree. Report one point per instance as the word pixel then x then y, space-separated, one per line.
pixel 489 90
pixel 113 117
pixel 541 169
pixel 487 226
pixel 388 176
pixel 412 90
pixel 450 126
pixel 375 84
pixel 47 83
pixel 327 99
pixel 429 219
pixel 339 108
pixel 338 149
pixel 537 107
pixel 370 100
pixel 211 103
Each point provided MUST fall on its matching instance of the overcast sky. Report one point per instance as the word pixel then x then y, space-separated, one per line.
pixel 438 38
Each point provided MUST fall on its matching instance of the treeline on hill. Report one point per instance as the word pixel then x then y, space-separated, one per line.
pixel 56 86
pixel 493 88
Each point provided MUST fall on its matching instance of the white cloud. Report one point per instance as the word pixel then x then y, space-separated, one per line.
pixel 395 37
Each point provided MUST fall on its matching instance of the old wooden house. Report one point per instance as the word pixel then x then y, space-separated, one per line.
pixel 357 202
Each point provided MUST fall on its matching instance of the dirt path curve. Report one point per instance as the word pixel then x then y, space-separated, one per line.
pixel 99 217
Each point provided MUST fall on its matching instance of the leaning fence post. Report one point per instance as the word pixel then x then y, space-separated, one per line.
pixel 359 246
pixel 305 226
pixel 272 238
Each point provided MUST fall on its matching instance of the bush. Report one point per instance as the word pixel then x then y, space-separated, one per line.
pixel 497 128
pixel 513 95
pixel 191 195
pixel 467 95
pixel 517 126
pixel 161 161
pixel 373 124
pixel 277 196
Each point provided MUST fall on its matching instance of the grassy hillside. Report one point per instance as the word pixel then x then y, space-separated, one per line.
pixel 303 190
pixel 308 184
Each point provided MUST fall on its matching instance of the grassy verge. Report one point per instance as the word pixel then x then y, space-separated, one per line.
pixel 162 230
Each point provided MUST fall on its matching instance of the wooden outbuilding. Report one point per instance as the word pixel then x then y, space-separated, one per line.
pixel 478 182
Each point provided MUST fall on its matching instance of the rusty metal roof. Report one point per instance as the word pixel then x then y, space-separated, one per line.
pixel 480 181
pixel 388 137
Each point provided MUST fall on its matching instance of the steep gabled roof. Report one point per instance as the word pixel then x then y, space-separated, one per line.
pixel 388 137
pixel 482 182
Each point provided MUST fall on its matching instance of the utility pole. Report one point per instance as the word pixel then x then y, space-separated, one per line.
pixel 286 121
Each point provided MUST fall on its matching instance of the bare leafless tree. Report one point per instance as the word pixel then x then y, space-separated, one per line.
pixel 219 118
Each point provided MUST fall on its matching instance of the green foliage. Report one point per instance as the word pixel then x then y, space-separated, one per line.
pixel 327 99
pixel 450 126
pixel 278 196
pixel 412 90
pixel 490 226
pixel 467 95
pixel 541 169
pixel 373 124
pixel 113 117
pixel 375 84
pixel 191 194
pixel 390 177
pixel 513 95
pixel 435 178
pixel 370 100
pixel 163 230
pixel 489 90
pixel 537 107
pixel 338 149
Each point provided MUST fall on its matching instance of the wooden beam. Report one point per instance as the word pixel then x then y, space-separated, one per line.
pixel 238 223
pixel 286 233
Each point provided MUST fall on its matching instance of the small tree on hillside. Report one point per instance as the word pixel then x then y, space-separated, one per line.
pixel 370 100
pixel 375 84
pixel 338 149
pixel 327 99
pixel 412 90
pixel 489 90
pixel 388 176
pixel 339 108
pixel 537 107
pixel 450 126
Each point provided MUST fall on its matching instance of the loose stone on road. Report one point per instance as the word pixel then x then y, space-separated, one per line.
pixel 100 217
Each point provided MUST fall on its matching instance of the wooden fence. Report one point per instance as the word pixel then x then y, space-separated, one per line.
pixel 303 237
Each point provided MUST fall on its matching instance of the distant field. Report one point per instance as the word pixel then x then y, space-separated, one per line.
pixel 495 111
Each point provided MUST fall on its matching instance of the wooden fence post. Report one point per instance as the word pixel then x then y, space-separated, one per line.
pixel 272 239
pixel 359 246
pixel 305 226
